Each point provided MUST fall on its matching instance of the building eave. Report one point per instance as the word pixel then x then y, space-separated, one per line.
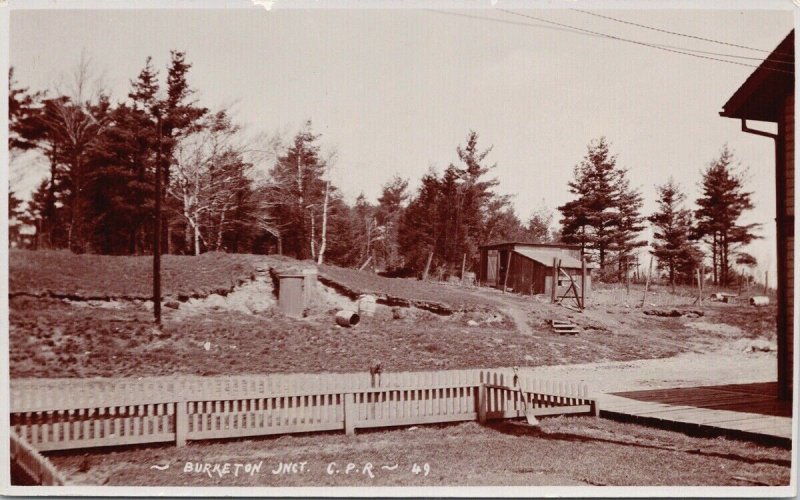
pixel 758 97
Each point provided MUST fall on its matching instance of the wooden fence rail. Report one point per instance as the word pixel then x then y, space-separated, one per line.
pixel 30 462
pixel 63 414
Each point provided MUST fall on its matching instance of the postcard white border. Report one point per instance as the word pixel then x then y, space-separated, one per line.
pixel 6 6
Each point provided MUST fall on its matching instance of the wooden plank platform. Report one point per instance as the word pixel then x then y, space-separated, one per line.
pixel 742 411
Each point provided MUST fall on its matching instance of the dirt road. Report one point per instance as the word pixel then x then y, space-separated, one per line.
pixel 725 366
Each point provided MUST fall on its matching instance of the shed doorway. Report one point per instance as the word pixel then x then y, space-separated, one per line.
pixel 492 265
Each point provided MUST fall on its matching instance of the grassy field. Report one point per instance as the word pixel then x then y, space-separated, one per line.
pixel 410 290
pixel 564 451
pixel 53 337
pixel 62 273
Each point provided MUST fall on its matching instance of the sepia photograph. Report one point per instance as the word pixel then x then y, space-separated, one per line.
pixel 424 249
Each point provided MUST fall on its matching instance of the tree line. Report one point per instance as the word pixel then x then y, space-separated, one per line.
pixel 224 190
pixel 605 219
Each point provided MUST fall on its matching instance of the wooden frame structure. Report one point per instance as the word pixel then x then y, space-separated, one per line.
pixel 573 291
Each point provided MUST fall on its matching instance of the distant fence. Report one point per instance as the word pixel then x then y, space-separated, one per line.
pixel 67 414
pixel 31 463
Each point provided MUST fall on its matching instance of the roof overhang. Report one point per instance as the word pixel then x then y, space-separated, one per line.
pixel 761 96
pixel 546 257
pixel 527 244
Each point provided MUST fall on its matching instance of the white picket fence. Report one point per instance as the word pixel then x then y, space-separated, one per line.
pixel 33 464
pixel 70 414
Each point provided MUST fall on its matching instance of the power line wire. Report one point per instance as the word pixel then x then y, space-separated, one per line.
pixel 505 21
pixel 645 44
pixel 660 30
pixel 735 56
pixel 576 31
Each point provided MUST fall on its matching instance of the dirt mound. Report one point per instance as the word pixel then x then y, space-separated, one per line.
pixel 254 297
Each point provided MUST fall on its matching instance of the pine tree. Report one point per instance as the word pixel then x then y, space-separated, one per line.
pixel 455 213
pixel 142 138
pixel 296 190
pixel 604 215
pixel 418 232
pixel 24 120
pixel 25 131
pixel 180 116
pixel 672 226
pixel 720 206
pixel 538 228
pixel 502 224
pixel 15 214
pixel 391 206
pixel 477 202
pixel 629 225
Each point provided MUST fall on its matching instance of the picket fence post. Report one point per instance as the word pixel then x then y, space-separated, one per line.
pixel 482 402
pixel 181 422
pixel 350 414
pixel 595 408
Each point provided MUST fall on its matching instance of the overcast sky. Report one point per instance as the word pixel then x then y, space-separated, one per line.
pixel 395 91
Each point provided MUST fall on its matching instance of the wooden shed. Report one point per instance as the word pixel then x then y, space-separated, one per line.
pixel 528 268
pixel 768 96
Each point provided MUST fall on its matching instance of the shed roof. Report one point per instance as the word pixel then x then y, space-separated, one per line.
pixel 761 96
pixel 528 244
pixel 545 257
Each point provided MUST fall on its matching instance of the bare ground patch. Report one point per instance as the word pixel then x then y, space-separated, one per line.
pixel 564 451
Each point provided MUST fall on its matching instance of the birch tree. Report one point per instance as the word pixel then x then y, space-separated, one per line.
pixel 209 173
pixel 75 122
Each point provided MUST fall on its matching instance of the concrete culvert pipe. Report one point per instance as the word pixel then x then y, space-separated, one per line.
pixel 347 318
pixel 759 300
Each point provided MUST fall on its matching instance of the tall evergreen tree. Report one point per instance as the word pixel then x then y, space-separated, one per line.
pixel 502 224
pixel 672 225
pixel 391 206
pixel 115 207
pixel 297 189
pixel 604 215
pixel 478 203
pixel 24 120
pixel 24 132
pixel 722 203
pixel 630 223
pixel 455 213
pixel 142 139
pixel 419 229
pixel 181 115
pixel 15 214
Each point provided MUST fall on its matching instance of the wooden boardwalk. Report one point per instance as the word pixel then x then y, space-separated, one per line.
pixel 742 411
